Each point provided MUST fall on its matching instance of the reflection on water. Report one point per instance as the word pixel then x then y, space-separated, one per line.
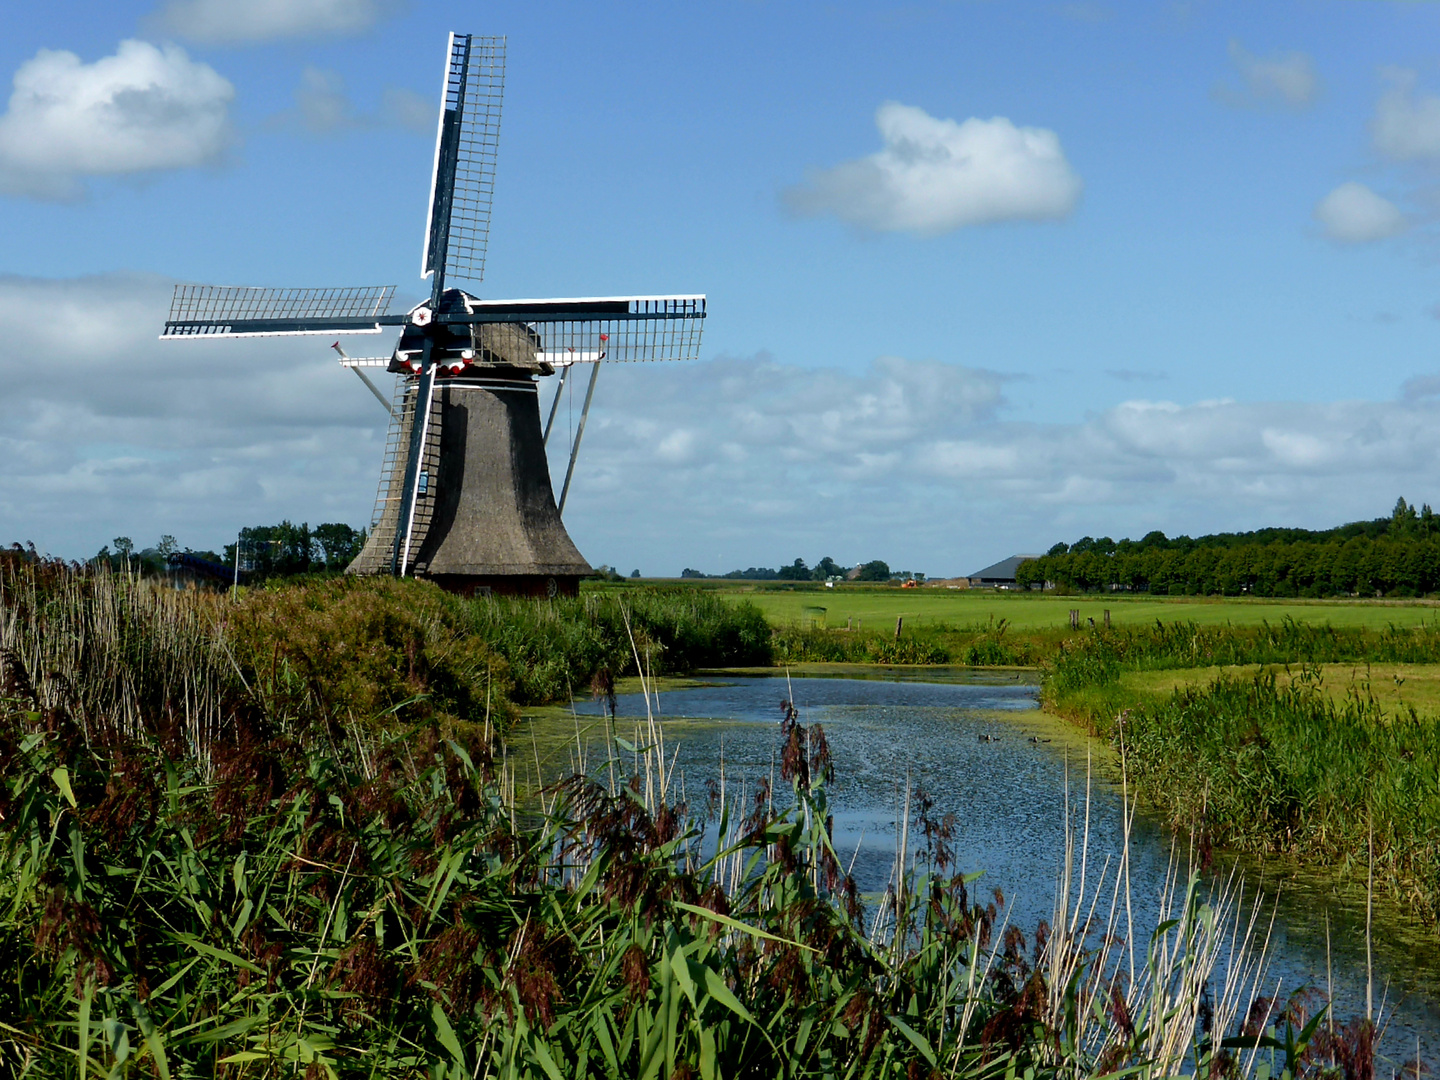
pixel 978 745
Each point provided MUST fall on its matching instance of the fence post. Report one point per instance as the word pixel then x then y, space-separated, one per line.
pixel 1074 618
pixel 1107 618
pixel 898 620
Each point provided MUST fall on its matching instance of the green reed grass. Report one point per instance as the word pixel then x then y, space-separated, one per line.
pixel 375 911
pixel 291 890
pixel 928 643
pixel 111 646
pixel 1266 765
pixel 556 648
pixel 360 645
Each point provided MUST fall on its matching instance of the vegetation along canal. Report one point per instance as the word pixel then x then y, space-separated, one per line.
pixel 977 744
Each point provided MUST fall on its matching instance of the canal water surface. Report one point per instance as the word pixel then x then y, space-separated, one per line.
pixel 981 749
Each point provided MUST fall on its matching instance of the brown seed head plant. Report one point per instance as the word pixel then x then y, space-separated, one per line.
pixel 278 837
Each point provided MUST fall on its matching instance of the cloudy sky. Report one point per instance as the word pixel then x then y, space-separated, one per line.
pixel 981 276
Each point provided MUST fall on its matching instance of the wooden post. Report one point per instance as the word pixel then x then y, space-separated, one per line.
pixel 847 621
pixel 1074 618
pixel 899 619
pixel 1107 618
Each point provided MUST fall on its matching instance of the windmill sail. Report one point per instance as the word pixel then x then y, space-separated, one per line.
pixel 462 185
pixel 613 328
pixel 235 311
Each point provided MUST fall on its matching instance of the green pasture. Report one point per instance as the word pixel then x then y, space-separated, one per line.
pixel 876 608
pixel 1395 688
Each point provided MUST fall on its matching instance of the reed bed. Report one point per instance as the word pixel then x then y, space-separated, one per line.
pixel 115 652
pixel 1266 765
pixel 111 646
pixel 973 646
pixel 287 891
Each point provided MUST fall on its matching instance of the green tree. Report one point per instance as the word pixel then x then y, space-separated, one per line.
pixel 123 546
pixel 1404 521
pixel 268 551
pixel 1031 572
pixel 339 544
pixel 874 570
pixel 796 571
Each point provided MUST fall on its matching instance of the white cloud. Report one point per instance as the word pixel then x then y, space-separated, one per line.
pixel 321 101
pixel 226 22
pixel 1353 214
pixel 716 464
pixel 322 107
pixel 937 175
pixel 404 108
pixel 1406 126
pixel 142 110
pixel 919 464
pixel 119 433
pixel 1286 79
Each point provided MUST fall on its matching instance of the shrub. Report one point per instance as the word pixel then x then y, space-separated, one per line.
pixel 352 649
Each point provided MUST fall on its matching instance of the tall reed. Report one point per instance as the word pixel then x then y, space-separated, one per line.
pixel 1261 764
pixel 292 893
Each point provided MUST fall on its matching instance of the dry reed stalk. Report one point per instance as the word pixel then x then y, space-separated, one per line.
pixel 1163 1000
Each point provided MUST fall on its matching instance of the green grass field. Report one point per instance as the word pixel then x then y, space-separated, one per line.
pixel 877 608
pixel 1396 688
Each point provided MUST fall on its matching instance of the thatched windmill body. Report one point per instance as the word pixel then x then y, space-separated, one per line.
pixel 465 495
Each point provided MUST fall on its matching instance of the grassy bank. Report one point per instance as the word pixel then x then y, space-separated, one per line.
pixel 1275 758
pixel 214 862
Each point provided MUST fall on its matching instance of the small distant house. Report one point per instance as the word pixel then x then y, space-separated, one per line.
pixel 999 576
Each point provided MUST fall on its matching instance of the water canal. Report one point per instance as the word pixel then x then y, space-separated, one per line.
pixel 980 747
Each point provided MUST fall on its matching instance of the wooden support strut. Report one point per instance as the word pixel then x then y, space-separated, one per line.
pixel 555 405
pixel 579 434
pixel 425 391
pixel 374 390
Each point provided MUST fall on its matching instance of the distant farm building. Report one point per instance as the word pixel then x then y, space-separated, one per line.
pixel 1001 575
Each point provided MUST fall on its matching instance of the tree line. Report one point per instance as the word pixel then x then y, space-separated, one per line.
pixel 824 570
pixel 265 551
pixel 1394 556
pixel 286 549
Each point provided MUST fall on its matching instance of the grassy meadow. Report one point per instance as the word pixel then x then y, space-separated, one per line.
pixel 877 607
pixel 1396 689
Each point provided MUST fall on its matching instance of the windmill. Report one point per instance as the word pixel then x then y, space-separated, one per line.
pixel 465 497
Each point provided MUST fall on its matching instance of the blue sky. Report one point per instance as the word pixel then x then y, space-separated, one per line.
pixel 982 276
